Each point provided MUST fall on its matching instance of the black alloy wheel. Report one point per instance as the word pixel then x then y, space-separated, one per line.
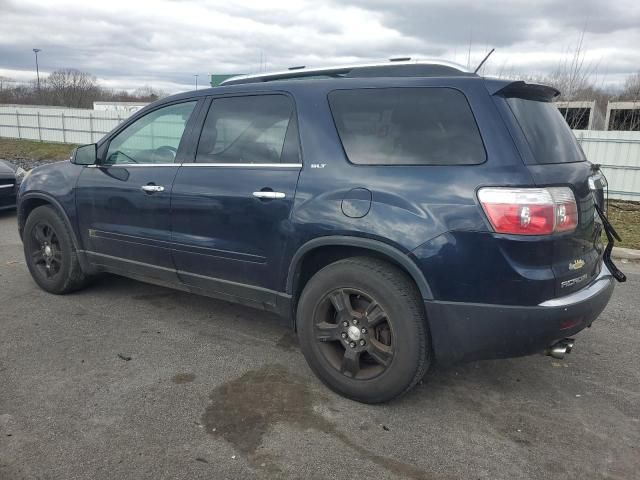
pixel 362 329
pixel 45 250
pixel 50 252
pixel 354 333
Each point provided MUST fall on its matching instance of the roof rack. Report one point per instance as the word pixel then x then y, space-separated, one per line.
pixel 439 67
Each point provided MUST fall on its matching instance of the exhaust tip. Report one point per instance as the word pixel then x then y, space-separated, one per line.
pixel 558 352
pixel 569 345
pixel 561 348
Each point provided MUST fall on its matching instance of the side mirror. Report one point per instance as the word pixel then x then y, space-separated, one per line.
pixel 85 154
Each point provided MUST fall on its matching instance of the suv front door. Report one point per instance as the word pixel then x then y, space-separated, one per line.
pixel 230 208
pixel 124 200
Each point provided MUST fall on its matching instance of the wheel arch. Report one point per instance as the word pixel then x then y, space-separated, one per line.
pixel 338 247
pixel 31 201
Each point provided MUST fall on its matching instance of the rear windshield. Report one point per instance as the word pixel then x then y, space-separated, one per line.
pixel 550 138
pixel 406 126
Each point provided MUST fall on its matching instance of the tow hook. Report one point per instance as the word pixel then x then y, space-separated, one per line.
pixel 561 348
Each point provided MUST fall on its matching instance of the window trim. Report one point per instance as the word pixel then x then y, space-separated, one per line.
pixel 383 165
pixel 131 165
pixel 193 164
pixel 252 165
pixel 104 145
pixel 202 117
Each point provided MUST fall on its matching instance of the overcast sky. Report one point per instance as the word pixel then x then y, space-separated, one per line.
pixel 131 43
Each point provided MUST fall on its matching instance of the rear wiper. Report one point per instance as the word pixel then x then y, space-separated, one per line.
pixel 611 234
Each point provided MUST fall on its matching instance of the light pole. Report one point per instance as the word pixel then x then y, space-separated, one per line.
pixel 36 50
pixel 196 77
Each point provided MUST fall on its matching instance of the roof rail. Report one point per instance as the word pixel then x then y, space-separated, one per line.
pixel 337 71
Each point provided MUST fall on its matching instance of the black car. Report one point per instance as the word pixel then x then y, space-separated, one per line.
pixel 10 178
pixel 399 214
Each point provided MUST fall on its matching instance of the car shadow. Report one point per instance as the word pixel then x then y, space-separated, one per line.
pixel 10 212
pixel 214 318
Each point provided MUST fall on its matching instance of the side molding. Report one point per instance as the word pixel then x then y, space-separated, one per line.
pixel 393 253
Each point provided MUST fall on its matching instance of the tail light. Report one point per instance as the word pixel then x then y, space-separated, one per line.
pixel 530 211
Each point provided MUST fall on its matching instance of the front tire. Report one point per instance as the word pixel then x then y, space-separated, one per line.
pixel 50 254
pixel 362 329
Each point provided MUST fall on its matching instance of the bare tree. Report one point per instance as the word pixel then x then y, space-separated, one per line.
pixel 148 93
pixel 573 74
pixel 13 92
pixel 72 88
pixel 6 83
pixel 577 80
pixel 631 89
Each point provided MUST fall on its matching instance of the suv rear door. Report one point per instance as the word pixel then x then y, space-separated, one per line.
pixel 554 158
pixel 230 207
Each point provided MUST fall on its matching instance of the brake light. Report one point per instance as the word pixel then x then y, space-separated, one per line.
pixel 529 211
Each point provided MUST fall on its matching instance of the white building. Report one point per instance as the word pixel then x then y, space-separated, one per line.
pixel 623 116
pixel 121 107
pixel 582 115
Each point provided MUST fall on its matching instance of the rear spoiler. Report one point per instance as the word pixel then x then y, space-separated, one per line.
pixel 520 89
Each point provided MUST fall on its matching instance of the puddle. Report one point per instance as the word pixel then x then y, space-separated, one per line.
pixel 243 410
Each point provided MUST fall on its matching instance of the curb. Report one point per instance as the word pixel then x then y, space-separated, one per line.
pixel 619 253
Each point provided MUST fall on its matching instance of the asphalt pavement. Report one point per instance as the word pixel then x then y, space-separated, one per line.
pixel 133 381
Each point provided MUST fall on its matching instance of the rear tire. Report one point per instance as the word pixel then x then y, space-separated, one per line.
pixel 362 329
pixel 50 254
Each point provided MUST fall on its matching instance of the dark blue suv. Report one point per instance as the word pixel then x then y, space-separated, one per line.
pixel 399 214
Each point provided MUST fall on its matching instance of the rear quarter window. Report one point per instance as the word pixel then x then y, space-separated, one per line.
pixel 407 126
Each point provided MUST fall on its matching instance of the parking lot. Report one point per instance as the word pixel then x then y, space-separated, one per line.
pixel 127 380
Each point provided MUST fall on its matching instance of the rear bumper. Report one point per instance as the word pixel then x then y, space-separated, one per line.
pixel 473 331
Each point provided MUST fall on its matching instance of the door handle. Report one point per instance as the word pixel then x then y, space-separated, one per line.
pixel 268 194
pixel 152 188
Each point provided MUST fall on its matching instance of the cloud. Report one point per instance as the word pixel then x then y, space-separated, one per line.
pixel 164 43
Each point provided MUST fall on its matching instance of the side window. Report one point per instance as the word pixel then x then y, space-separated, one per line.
pixel 407 126
pixel 153 138
pixel 253 129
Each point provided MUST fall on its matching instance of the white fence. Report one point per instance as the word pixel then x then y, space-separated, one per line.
pixel 617 152
pixel 66 125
